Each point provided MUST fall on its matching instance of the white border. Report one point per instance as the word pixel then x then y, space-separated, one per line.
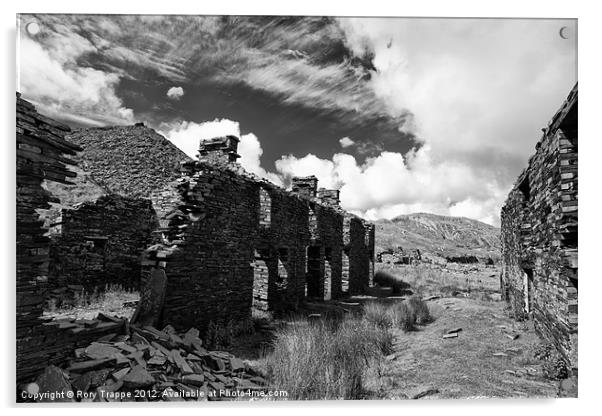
pixel 589 80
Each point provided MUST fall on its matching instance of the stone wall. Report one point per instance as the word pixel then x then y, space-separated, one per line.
pixel 229 240
pixel 99 243
pixel 539 235
pixel 41 151
pixel 283 238
pixel 226 239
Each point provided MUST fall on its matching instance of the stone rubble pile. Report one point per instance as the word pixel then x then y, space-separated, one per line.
pixel 151 365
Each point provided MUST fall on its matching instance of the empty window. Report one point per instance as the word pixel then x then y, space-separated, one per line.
pixel 265 207
pixel 525 188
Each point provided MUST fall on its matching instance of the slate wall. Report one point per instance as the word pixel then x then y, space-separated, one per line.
pixel 99 243
pixel 539 224
pixel 230 241
pixel 41 151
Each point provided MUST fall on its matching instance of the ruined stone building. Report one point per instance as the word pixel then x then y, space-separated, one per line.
pixel 41 156
pixel 230 240
pixel 399 255
pixel 106 219
pixel 539 235
pixel 227 240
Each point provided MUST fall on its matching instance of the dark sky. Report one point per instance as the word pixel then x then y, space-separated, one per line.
pixel 283 129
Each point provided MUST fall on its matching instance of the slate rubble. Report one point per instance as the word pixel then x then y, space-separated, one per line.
pixel 164 364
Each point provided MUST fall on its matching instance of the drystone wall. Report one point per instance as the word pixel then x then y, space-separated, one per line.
pixel 99 243
pixel 280 256
pixel 209 234
pixel 226 240
pixel 229 241
pixel 539 235
pixel 41 150
pixel 105 221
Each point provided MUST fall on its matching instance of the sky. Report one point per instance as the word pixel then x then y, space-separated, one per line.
pixel 402 115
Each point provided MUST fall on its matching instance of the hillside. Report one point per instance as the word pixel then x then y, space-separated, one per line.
pixel 128 160
pixel 438 235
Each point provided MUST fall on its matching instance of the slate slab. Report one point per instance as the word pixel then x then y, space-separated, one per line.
pixel 53 380
pixel 138 377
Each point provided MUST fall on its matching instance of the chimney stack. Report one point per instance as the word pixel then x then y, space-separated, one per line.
pixel 305 186
pixel 219 150
pixel 329 197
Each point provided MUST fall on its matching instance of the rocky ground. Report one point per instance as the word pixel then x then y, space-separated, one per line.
pixel 471 349
pixel 147 365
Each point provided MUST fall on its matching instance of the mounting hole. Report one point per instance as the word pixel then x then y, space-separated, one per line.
pixel 33 28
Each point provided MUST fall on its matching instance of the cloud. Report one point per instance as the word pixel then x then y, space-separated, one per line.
pixel 390 184
pixel 473 93
pixel 50 76
pixel 175 93
pixel 271 54
pixel 478 92
pixel 346 142
pixel 187 135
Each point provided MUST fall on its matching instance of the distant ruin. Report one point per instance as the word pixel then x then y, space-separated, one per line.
pixel 399 255
pixel 539 235
pixel 226 240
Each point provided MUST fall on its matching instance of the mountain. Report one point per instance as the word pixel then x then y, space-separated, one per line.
pixel 439 235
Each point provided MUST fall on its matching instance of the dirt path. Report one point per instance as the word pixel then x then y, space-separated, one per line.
pixel 481 362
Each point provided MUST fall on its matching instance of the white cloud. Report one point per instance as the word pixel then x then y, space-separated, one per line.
pixel 346 142
pixel 187 135
pixel 175 93
pixel 385 186
pixel 50 77
pixel 479 91
pixel 391 184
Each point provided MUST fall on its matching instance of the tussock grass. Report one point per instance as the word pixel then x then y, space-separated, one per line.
pixel 403 315
pixel 420 310
pixel 379 315
pixel 405 318
pixel 326 359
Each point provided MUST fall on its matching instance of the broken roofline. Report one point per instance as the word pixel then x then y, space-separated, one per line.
pixel 555 123
pixel 321 197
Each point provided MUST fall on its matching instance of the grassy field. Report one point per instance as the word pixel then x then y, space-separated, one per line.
pixel 492 356
pixel 437 280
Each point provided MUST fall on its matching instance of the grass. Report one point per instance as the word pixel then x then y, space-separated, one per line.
pixel 420 310
pixel 378 314
pixel 404 315
pixel 114 299
pixel 332 358
pixel 430 279
pixel 327 359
